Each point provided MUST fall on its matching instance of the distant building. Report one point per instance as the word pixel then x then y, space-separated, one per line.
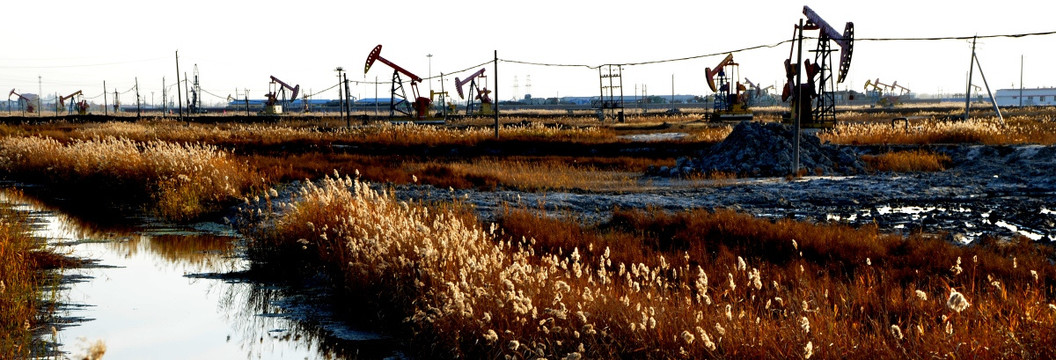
pixel 1030 97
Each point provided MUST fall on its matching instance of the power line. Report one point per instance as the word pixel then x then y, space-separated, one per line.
pixel 215 95
pixel 1019 35
pixel 312 95
pixel 586 66
pixel 780 43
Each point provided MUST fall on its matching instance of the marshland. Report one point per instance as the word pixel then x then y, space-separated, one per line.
pixel 560 238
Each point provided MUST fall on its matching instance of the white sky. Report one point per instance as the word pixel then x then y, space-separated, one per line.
pixel 76 45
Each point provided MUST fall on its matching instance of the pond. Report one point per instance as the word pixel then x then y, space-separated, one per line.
pixel 160 291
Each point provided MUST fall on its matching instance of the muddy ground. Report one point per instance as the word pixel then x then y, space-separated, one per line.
pixel 1002 191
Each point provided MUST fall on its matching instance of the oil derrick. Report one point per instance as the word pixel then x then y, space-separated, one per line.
pixel 476 93
pixel 420 105
pixel 818 87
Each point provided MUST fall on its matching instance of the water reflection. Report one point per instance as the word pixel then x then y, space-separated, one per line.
pixel 165 292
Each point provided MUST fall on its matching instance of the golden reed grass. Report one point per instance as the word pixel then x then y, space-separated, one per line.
pixel 529 173
pixel 23 262
pixel 18 288
pixel 987 131
pixel 180 181
pixel 696 284
pixel 299 132
pixel 907 161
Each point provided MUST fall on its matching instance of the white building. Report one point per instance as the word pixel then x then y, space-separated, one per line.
pixel 1030 97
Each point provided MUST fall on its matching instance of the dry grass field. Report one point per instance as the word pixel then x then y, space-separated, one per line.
pixel 907 161
pixel 1020 126
pixel 23 276
pixel 643 283
pixel 696 284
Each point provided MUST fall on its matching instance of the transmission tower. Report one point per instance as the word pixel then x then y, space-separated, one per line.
pixel 528 86
pixel 516 88
pixel 196 93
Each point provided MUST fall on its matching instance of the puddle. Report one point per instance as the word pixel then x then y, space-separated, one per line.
pixel 166 292
pixel 667 136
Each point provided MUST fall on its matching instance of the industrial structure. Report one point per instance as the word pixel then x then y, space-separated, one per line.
pixel 25 101
pixel 759 95
pixel 477 94
pixel 813 98
pixel 730 102
pixel 194 98
pixel 885 95
pixel 610 78
pixel 420 105
pixel 819 59
pixel 277 98
pixel 1026 97
pixel 79 103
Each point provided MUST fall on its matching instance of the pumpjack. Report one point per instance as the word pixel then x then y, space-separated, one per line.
pixel 81 106
pixel 443 102
pixel 884 94
pixel 276 98
pixel 758 95
pixel 814 100
pixel 421 104
pixel 26 99
pixel 731 102
pixel 475 93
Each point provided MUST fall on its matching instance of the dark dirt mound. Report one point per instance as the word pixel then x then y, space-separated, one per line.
pixel 766 149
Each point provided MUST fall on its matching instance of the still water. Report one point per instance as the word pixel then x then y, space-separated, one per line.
pixel 157 291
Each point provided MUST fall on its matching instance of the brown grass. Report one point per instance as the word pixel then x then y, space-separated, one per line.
pixel 695 284
pixel 907 161
pixel 988 131
pixel 22 277
pixel 532 173
pixel 179 182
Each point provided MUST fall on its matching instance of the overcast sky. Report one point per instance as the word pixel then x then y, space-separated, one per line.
pixel 76 45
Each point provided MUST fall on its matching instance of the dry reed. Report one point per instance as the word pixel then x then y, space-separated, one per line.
pixel 180 181
pixel 907 161
pixel 697 284
pixel 22 278
pixel 988 131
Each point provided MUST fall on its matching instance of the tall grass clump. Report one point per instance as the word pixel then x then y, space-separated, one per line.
pixel 987 131
pixel 695 284
pixel 530 174
pixel 23 260
pixel 907 161
pixel 381 134
pixel 176 181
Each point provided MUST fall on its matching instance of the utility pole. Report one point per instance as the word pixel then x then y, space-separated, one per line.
pixel 798 102
pixel 138 108
pixel 340 96
pixel 164 99
pixel 496 97
pixel 179 95
pixel 40 90
pixel 443 95
pixel 430 56
pixel 968 91
pixel 348 102
pixel 187 93
pixel 993 101
pixel 105 106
